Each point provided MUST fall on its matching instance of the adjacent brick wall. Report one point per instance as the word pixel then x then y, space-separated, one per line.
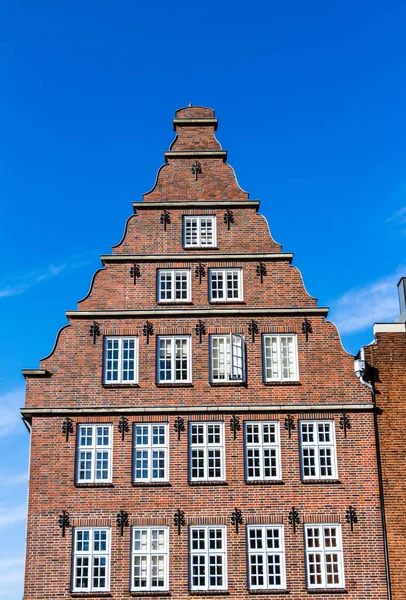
pixel 388 357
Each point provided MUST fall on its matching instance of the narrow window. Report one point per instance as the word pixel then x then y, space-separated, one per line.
pixel 199 231
pixel 262 450
pixel 280 358
pixel 173 285
pixel 120 360
pixel 94 454
pixel 208 559
pixel 266 557
pixel 149 558
pixel 324 556
pixel 91 560
pixel 206 442
pixel 226 285
pixel 150 452
pixel 318 450
pixel 227 358
pixel 174 360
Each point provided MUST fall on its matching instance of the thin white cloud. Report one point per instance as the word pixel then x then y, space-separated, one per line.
pixel 27 280
pixel 399 216
pixel 360 308
pixel 12 514
pixel 8 478
pixel 10 404
pixel 11 577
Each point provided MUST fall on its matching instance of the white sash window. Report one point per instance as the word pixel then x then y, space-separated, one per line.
pixel 227 357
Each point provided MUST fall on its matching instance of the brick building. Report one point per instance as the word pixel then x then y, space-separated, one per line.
pixel 386 372
pixel 198 428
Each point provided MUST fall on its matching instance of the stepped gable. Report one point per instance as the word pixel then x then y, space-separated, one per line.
pixel 195 141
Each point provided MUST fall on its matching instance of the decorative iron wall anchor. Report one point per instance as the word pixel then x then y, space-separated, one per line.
pixel 135 272
pixel 351 517
pixel 148 330
pixel 123 426
pixel 345 423
pixel 235 425
pixel 228 218
pixel 165 218
pixel 122 521
pixel 95 331
pixel 179 520
pixel 196 169
pixel 200 271
pixel 236 518
pixel 64 521
pixel 289 424
pixel 179 425
pixel 200 330
pixel 294 518
pixel 307 328
pixel 261 271
pixel 253 329
pixel 67 427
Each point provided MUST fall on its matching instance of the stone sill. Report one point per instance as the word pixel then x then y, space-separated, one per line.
pixel 120 385
pixel 282 383
pixel 94 485
pixel 174 385
pixel 226 302
pixel 252 592
pixel 151 484
pixel 264 482
pixel 207 483
pixel 136 594
pixel 91 595
pixel 199 248
pixel 326 591
pixel 319 481
pixel 227 383
pixel 175 303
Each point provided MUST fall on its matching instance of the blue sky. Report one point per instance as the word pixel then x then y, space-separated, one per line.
pixel 310 99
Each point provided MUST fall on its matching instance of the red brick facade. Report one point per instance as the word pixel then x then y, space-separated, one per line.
pixel 387 356
pixel 70 384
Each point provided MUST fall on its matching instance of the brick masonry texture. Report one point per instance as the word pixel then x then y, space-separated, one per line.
pixel 388 358
pixel 74 384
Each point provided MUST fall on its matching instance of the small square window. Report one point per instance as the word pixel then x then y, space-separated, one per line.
pixel 173 285
pixel 225 285
pixel 199 231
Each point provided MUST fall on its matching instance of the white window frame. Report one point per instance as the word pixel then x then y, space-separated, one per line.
pixel 324 551
pixel 318 449
pixel 199 238
pixel 205 555
pixel 92 449
pixel 172 274
pixel 174 339
pixel 264 553
pixel 92 555
pixel 262 454
pixel 148 554
pixel 231 361
pixel 224 274
pixel 270 361
pixel 206 451
pixel 120 367
pixel 148 451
